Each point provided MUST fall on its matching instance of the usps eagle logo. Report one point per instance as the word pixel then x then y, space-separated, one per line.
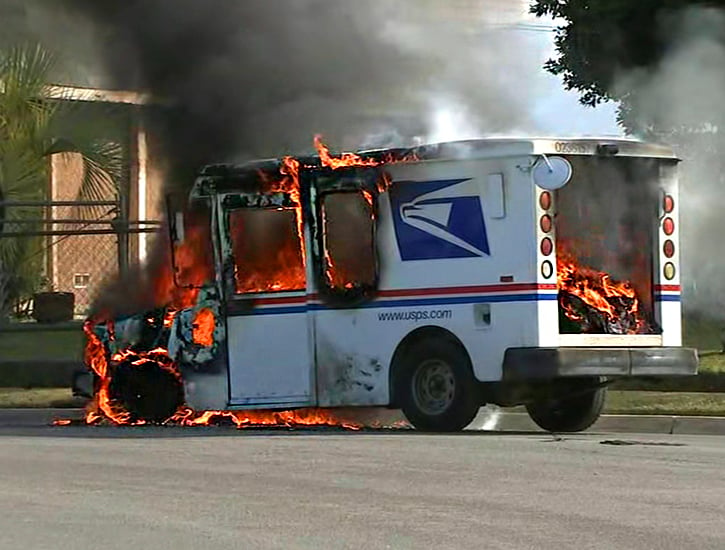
pixel 438 219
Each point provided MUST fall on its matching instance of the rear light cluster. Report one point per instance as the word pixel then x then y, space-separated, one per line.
pixel 546 224
pixel 668 228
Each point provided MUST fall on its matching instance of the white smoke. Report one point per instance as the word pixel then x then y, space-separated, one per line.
pixel 684 94
pixel 488 419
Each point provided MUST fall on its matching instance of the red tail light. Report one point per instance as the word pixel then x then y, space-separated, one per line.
pixel 545 223
pixel 545 200
pixel 668 204
pixel 669 248
pixel 668 226
pixel 547 246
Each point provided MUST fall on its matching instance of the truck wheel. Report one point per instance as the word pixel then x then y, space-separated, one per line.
pixel 146 390
pixel 437 391
pixel 579 406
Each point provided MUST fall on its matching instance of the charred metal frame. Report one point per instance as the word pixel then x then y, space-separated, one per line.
pixel 343 180
pixel 243 187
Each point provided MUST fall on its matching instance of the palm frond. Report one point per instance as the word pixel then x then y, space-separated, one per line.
pixel 36 121
pixel 24 72
pixel 97 139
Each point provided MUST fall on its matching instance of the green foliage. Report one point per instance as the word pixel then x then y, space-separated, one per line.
pixel 600 40
pixel 37 120
pixel 663 61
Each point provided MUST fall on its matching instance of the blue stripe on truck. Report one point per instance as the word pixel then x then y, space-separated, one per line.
pixel 668 298
pixel 460 300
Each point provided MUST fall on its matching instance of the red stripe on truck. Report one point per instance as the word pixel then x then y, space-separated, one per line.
pixel 667 288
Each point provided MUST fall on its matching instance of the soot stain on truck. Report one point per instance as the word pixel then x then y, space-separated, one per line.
pixel 344 378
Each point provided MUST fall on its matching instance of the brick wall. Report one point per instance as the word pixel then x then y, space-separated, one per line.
pixel 79 264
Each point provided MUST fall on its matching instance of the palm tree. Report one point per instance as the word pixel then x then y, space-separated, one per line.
pixel 38 120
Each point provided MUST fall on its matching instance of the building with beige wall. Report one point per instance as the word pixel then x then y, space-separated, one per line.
pixel 81 264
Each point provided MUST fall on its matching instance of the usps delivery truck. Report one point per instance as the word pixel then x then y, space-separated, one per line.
pixel 501 271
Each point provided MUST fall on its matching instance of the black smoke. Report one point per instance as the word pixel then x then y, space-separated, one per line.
pixel 257 78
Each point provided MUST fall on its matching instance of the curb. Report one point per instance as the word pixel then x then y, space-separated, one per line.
pixel 490 420
pixel 618 423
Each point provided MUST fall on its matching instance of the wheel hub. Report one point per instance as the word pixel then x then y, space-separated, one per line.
pixel 434 386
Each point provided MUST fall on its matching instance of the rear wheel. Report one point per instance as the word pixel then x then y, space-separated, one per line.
pixel 437 389
pixel 573 406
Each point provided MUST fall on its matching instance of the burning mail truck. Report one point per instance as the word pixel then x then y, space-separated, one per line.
pixel 434 280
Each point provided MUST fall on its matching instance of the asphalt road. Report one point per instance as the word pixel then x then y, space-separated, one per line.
pixel 105 488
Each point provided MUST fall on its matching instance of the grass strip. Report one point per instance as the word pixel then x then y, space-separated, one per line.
pixel 618 402
pixel 38 398
pixel 669 403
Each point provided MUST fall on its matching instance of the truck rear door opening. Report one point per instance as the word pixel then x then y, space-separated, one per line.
pixel 606 236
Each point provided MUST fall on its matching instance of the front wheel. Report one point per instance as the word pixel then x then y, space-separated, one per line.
pixel 438 392
pixel 573 407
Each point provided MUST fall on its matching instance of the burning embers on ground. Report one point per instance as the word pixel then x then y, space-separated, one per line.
pixel 591 302
pixel 128 370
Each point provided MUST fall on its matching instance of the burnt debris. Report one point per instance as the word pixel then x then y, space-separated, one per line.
pixel 578 317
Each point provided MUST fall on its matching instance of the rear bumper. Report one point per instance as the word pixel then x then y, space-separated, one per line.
pixel 544 363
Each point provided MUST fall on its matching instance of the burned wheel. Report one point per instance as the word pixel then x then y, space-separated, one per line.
pixel 572 406
pixel 147 391
pixel 437 390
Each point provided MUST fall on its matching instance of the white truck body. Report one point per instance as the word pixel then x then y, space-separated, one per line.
pixel 459 243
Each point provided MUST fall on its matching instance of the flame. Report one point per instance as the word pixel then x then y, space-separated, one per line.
pixel 368 198
pixel 344 160
pixel 351 159
pixel 102 404
pixel 203 328
pixel 613 299
pixel 266 270
pixel 195 266
pixel 104 408
pixel 244 419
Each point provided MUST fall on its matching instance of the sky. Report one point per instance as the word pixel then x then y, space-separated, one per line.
pixel 515 71
pixel 579 119
pixel 559 110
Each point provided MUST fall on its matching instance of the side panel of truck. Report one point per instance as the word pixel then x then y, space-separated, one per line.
pixel 487 294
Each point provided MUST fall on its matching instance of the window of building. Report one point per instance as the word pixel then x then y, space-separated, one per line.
pixel 81 280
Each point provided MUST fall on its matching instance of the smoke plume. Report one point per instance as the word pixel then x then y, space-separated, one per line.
pixel 680 102
pixel 257 78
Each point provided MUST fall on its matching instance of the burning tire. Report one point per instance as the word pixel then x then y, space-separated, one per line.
pixel 146 390
pixel 577 406
pixel 437 390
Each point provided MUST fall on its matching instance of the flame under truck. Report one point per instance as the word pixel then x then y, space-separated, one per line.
pixel 503 271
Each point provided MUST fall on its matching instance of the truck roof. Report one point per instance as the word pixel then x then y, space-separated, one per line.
pixel 246 174
pixel 510 147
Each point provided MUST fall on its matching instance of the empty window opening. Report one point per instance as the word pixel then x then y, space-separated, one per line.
pixel 349 240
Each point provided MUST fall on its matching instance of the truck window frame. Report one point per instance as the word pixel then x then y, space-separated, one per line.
pixel 229 264
pixel 333 295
